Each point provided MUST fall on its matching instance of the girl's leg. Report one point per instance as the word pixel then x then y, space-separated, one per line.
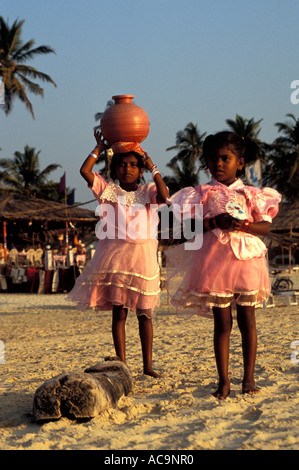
pixel 247 325
pixel 222 329
pixel 146 337
pixel 119 316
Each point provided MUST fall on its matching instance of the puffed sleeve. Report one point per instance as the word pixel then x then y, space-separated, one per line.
pixel 99 184
pixel 265 205
pixel 152 192
pixel 186 201
pixel 187 195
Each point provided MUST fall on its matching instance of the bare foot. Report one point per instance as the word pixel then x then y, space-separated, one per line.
pixel 250 388
pixel 222 391
pixel 152 373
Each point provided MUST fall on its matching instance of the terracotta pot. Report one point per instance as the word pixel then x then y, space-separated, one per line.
pixel 124 121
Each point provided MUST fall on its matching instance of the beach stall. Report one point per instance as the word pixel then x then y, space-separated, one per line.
pixel 32 230
pixel 283 240
pixel 283 254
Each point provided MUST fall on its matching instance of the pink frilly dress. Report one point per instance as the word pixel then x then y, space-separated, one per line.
pixel 124 269
pixel 230 267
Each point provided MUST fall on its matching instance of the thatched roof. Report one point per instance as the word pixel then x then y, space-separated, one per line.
pixel 14 207
pixel 18 207
pixel 287 218
pixel 285 227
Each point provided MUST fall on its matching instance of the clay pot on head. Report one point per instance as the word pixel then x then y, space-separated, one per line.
pixel 124 121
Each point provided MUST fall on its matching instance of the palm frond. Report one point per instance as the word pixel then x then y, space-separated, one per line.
pixel 25 70
pixel 23 54
pixel 15 73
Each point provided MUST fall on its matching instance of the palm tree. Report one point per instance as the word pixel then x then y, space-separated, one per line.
pixel 290 140
pixel 184 174
pixel 16 75
pixel 282 170
pixel 188 162
pixel 189 143
pixel 23 175
pixel 249 128
pixel 245 127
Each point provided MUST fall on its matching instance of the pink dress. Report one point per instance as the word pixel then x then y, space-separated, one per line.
pixel 231 266
pixel 124 269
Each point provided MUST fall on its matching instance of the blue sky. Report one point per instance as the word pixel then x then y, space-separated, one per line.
pixel 199 61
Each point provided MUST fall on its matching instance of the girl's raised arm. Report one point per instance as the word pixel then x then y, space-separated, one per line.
pixel 162 191
pixel 87 166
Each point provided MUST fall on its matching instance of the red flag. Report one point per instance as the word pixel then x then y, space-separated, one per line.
pixel 62 185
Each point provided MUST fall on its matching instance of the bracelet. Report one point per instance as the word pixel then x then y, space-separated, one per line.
pixel 97 148
pixel 247 226
pixel 207 224
pixel 155 172
pixel 214 223
pixel 93 155
pixel 153 168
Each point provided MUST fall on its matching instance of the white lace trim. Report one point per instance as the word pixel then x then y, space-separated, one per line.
pixel 125 286
pixel 195 300
pixel 127 273
pixel 113 191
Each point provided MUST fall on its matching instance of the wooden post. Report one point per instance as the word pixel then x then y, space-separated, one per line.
pixel 5 241
pixel 290 249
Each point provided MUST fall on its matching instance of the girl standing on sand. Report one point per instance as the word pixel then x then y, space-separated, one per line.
pixel 124 273
pixel 230 268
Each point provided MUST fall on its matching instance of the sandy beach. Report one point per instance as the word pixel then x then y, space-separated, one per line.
pixel 44 335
